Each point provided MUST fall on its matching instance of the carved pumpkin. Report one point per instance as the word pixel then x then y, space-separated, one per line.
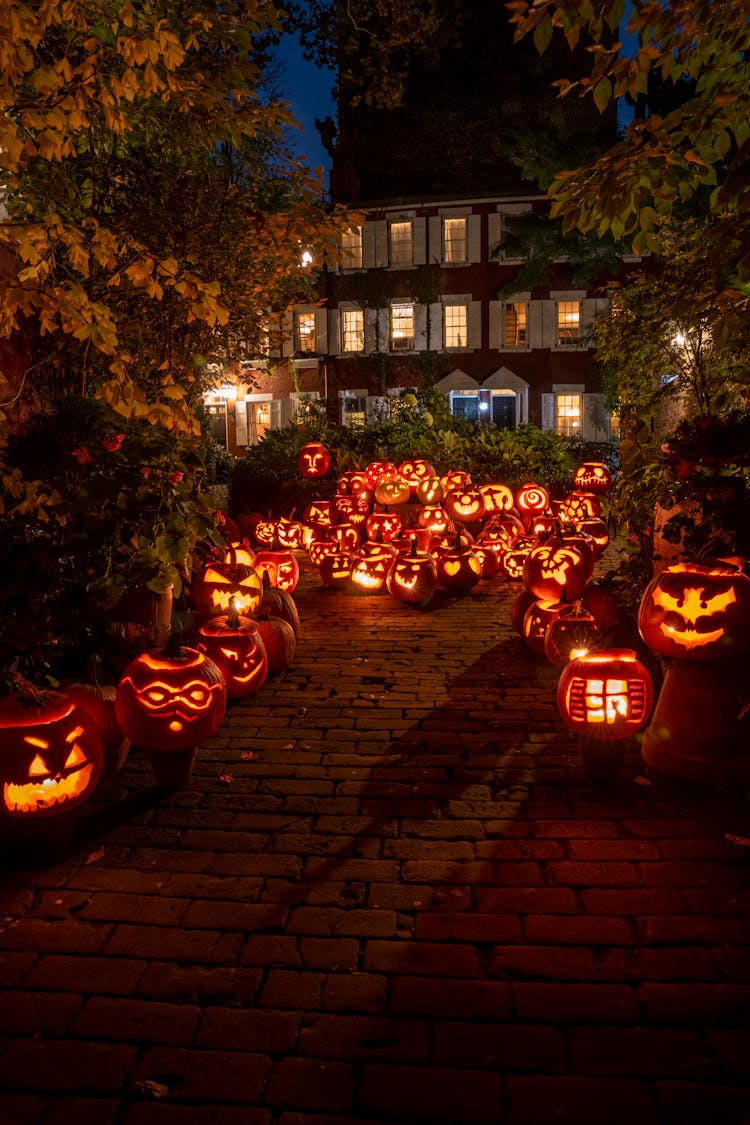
pixel 171 700
pixel 592 476
pixel 347 537
pixel 572 633
pixel 320 514
pixel 385 526
pixel 392 492
pixel 536 621
pixel 290 534
pixel 489 560
pixel 556 571
pixel 412 578
pixel 378 471
pixel 314 460
pixel 579 506
pixel 236 648
pixel 318 548
pixel 281 567
pixel 51 754
pixel 605 695
pixel 354 509
pixel 352 483
pixel 414 472
pixel 497 498
pixel 504 530
pixel 436 520
pixel 422 536
pixel 598 531
pixel 430 491
pixel 265 532
pixel 458 568
pixel 456 478
pixel 370 567
pixel 464 504
pixel 513 558
pixel 697 611
pixel 218 583
pixel 531 499
pixel 523 599
pixel 238 552
pixel 334 569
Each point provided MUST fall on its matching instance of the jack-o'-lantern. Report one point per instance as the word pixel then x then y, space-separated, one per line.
pixel 354 509
pixel 347 536
pixel 289 534
pixel 281 567
pixel 370 567
pixel 392 492
pixel 217 584
pixel 314 460
pixel 697 611
pixel 430 491
pixel 378 471
pixel 530 500
pixel 422 536
pixel 556 571
pixel 513 558
pixel 318 548
pixel 504 529
pixel 592 476
pixel 523 599
pixel 464 504
pixel 51 755
pixel 334 569
pixel 605 695
pixel 320 514
pixel 238 552
pixel 488 560
pixel 265 532
pixel 542 525
pixel 497 498
pixel 598 531
pixel 385 526
pixel 352 483
pixel 458 569
pixel 412 578
pixel 572 633
pixel 235 646
pixel 456 478
pixel 581 506
pixel 414 472
pixel 536 621
pixel 435 520
pixel 171 700
pixel 449 540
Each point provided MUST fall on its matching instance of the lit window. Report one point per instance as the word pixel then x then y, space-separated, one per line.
pixel 454 240
pixel 402 253
pixel 455 319
pixel 515 325
pixel 354 411
pixel 353 330
pixel 402 326
pixel 305 332
pixel 351 249
pixel 568 323
pixel 569 409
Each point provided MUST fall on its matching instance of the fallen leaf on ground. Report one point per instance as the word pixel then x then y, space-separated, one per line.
pixel 92 857
pixel 248 755
pixel 642 781
pixel 155 1089
pixel 743 841
pixel 226 778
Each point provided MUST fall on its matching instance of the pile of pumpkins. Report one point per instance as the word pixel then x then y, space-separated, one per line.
pixel 405 531
pixel 57 746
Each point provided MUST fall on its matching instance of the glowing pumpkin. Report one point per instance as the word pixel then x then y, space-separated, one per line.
pixel 464 504
pixel 513 559
pixel 378 471
pixel 572 633
pixel 557 572
pixel 51 754
pixel 536 621
pixel 281 567
pixel 697 611
pixel 436 520
pixel 235 646
pixel 455 478
pixel 592 476
pixel 290 534
pixel 238 552
pixel 314 460
pixel 352 483
pixel 489 560
pixel 370 567
pixel 392 492
pixel 347 537
pixel 412 578
pixel 172 700
pixel 530 500
pixel 219 583
pixel 605 695
pixel 497 498
pixel 335 568
pixel 579 506
pixel 318 548
pixel 355 508
pixel 458 568
pixel 265 532
pixel 320 514
pixel 385 526
pixel 414 472
pixel 430 491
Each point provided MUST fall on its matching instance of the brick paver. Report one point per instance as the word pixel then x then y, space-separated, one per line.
pixel 390 896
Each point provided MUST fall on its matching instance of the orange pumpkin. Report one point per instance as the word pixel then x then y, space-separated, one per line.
pixel 236 648
pixel 697 611
pixel 415 471
pixel 605 695
pixel 392 492
pixel 592 476
pixel 218 583
pixel 412 578
pixel 281 567
pixel 430 491
pixel 314 460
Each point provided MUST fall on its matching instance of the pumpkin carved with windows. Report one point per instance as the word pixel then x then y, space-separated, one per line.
pixel 605 695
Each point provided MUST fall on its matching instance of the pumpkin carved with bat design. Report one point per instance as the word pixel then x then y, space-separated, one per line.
pixel 51 754
pixel 697 611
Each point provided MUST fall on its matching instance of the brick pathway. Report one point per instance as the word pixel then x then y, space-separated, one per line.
pixel 390 896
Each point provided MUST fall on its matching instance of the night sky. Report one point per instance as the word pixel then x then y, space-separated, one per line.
pixel 309 90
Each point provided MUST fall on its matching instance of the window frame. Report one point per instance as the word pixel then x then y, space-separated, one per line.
pixel 352 256
pixel 302 339
pixel 359 313
pixel 404 256
pixel 448 258
pixel 517 343
pixel 563 328
pixel 568 429
pixel 464 307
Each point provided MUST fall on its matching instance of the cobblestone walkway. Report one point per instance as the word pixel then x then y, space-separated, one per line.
pixel 390 896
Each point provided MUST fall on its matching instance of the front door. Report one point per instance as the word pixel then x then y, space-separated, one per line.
pixel 504 411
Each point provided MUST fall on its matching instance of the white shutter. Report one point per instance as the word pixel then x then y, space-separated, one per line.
pixel 548 412
pixel 420 328
pixel 282 412
pixel 549 324
pixel 321 331
pixel 595 418
pixel 475 324
pixel 334 332
pixel 287 334
pixel 474 247
pixel 371 320
pixel 435 339
pixel 494 233
pixel 419 241
pixel 376 408
pixel 240 422
pixel 381 243
pixel 535 325
pixel 435 232
pixel 496 325
pixel 383 329
pixel 374 244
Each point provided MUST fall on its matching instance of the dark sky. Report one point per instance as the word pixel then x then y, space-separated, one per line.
pixel 309 90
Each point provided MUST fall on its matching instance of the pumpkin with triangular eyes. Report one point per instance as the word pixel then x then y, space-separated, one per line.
pixel 592 476
pixel 236 648
pixel 51 755
pixel 370 567
pixel 456 478
pixel 290 533
pixel 412 578
pixel 219 583
pixel 335 568
pixel 697 611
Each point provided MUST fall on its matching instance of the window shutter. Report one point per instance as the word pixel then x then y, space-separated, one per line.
pixel 494 235
pixel 334 332
pixel 321 331
pixel 435 232
pixel 420 328
pixel 240 422
pixel 374 244
pixel 595 418
pixel 287 334
pixel 548 412
pixel 376 408
pixel 534 325
pixel 549 323
pixel 371 324
pixel 475 324
pixel 474 247
pixel 383 322
pixel 588 316
pixel 496 325
pixel 381 243
pixel 435 340
pixel 419 244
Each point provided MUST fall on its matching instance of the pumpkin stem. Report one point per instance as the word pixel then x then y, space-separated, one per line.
pixel 413 551
pixel 173 647
pixel 233 617
pixel 28 692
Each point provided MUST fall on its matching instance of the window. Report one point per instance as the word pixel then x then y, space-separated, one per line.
pixel 354 411
pixel 568 323
pixel 515 325
pixel 402 253
pixel 465 404
pixel 304 333
pixel 454 240
pixel 568 414
pixel 352 330
pixel 455 323
pixel 402 326
pixel 351 249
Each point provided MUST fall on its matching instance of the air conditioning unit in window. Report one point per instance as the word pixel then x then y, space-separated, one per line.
pixel 402 343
